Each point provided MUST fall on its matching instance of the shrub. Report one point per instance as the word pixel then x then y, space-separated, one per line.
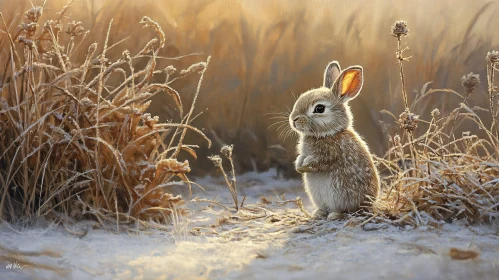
pixel 74 133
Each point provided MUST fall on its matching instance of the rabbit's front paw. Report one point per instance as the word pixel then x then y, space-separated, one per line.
pixel 308 160
pixel 305 169
pixel 299 161
pixel 306 164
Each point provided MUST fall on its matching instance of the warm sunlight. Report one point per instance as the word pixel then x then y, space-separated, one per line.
pixel 249 139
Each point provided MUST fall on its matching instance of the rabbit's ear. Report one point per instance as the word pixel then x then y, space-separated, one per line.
pixel 331 73
pixel 349 83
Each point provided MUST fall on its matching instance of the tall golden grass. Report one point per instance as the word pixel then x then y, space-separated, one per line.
pixel 266 51
pixel 75 136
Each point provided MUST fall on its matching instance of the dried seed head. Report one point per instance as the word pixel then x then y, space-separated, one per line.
pixel 227 151
pixel 408 121
pixel 492 57
pixel 75 28
pixel 399 28
pixel 28 26
pixel 33 14
pixel 470 82
pixel 396 140
pixel 147 21
pixel 435 113
pixel 197 67
pixel 150 121
pixel 47 27
pixel 172 166
pixel 25 41
pixel 126 56
pixel 58 28
pixel 29 29
pixel 170 70
pixel 92 48
pixel 217 160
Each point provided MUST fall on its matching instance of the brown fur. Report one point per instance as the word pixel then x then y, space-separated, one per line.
pixel 339 171
pixel 346 156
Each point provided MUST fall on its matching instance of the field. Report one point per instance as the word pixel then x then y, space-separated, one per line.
pixel 111 113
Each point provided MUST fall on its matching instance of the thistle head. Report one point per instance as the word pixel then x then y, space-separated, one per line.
pixel 75 28
pixel 399 28
pixel 227 151
pixel 217 160
pixel 435 113
pixel 470 82
pixel 33 14
pixel 408 121
pixel 492 57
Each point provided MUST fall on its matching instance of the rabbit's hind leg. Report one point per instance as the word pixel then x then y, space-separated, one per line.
pixel 335 216
pixel 320 214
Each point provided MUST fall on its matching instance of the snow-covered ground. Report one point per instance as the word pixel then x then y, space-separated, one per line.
pixel 213 243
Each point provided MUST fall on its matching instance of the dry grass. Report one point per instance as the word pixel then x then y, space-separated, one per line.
pixel 256 222
pixel 431 174
pixel 74 133
pixel 226 151
pixel 266 51
pixel 86 103
pixel 437 176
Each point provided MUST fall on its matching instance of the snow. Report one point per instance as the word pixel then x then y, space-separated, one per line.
pixel 256 249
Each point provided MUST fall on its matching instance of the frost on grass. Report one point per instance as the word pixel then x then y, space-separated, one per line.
pixel 75 137
pixel 437 175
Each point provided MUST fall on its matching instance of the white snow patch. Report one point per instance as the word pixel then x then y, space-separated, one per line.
pixel 332 251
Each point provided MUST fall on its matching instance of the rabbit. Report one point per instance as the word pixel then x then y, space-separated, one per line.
pixel 337 168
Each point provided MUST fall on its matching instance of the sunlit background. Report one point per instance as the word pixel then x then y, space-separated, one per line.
pixel 266 52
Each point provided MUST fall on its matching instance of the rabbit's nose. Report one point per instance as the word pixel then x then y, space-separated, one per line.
pixel 294 121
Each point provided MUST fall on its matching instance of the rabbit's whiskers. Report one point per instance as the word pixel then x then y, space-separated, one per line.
pixel 277 122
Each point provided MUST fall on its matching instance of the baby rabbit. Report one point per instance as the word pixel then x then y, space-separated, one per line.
pixel 337 168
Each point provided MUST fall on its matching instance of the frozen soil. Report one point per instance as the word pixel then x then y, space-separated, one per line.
pixel 270 239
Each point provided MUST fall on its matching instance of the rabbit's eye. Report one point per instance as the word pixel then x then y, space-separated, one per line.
pixel 319 109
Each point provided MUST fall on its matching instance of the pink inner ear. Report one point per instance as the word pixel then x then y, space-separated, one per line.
pixel 351 82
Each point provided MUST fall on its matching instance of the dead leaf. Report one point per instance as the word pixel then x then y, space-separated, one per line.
pixel 458 254
pixel 265 200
